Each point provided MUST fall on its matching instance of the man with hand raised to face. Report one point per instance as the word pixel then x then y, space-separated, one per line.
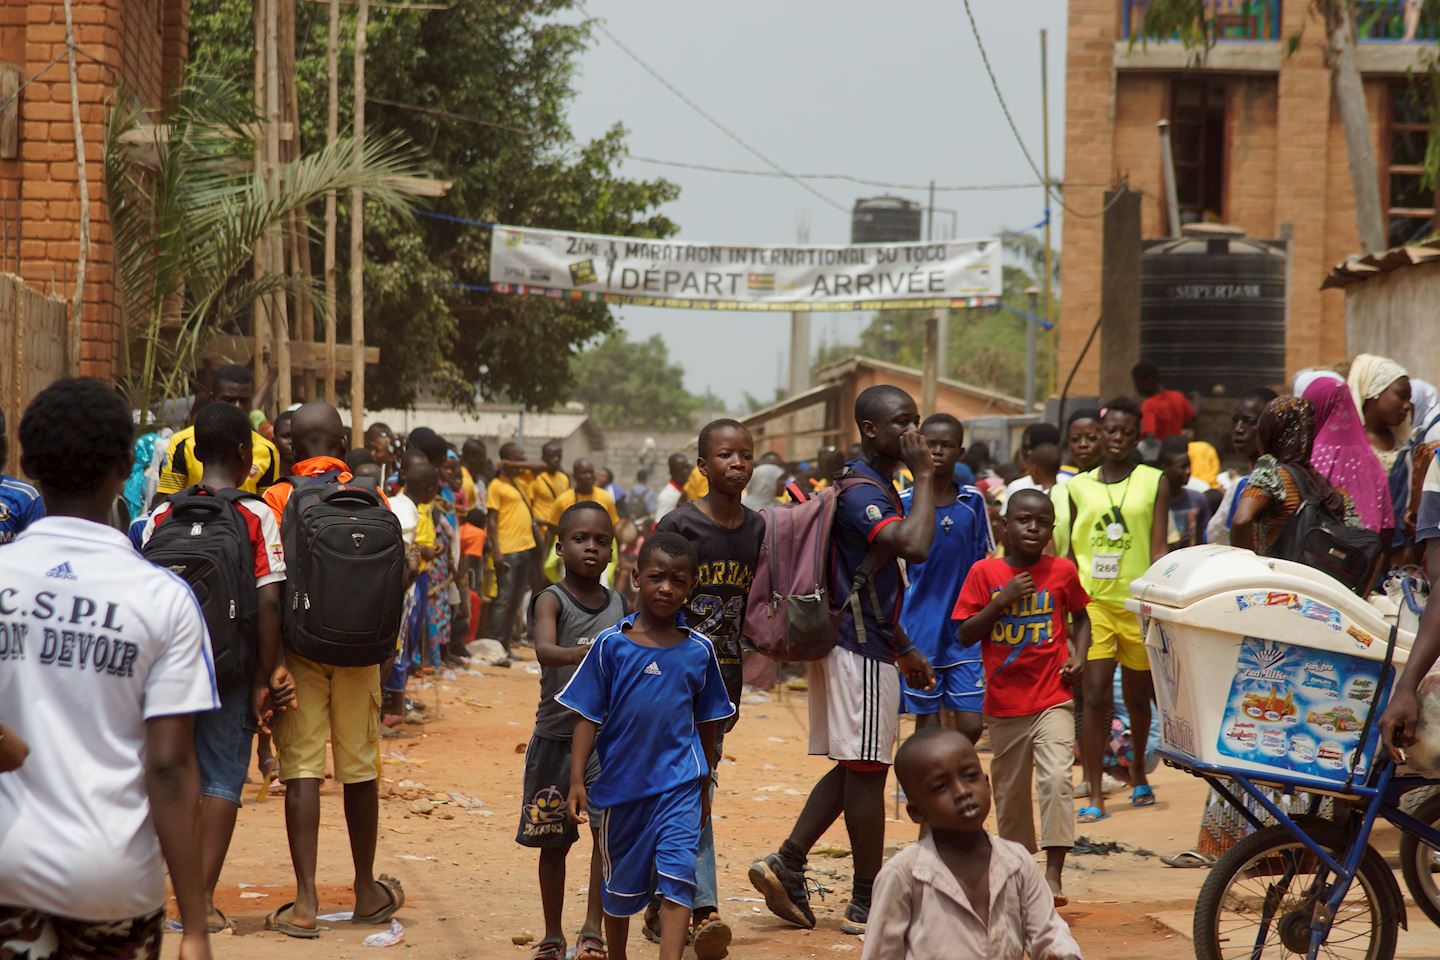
pixel 855 690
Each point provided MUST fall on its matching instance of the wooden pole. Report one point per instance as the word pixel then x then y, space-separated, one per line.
pixel 357 236
pixel 279 306
pixel 331 132
pixel 259 312
pixel 1355 120
pixel 298 234
pixel 77 303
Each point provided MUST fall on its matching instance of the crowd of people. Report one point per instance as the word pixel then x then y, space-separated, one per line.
pixel 177 607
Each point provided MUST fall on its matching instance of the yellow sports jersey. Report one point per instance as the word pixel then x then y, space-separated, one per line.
pixel 512 517
pixel 599 495
pixel 543 491
pixel 697 486
pixel 182 469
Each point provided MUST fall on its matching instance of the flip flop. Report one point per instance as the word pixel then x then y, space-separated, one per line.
pixel 1091 815
pixel 1142 796
pixel 273 922
pixel 397 900
pixel 590 947
pixel 1060 900
pixel 1189 860
pixel 225 923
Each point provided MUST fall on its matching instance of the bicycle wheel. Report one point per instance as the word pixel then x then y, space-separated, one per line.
pixel 1260 897
pixel 1420 862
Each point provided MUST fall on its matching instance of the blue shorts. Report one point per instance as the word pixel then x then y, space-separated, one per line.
pixel 960 687
pixel 654 838
pixel 222 745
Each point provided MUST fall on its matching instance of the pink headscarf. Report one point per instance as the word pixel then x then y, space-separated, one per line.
pixel 1343 456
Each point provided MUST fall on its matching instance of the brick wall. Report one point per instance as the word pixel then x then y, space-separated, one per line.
pixel 133 45
pixel 1089 159
pixel 1286 163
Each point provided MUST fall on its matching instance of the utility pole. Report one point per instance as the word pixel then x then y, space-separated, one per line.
pixel 357 237
pixel 800 334
pixel 1031 296
pixel 929 379
pixel 1049 279
pixel 942 336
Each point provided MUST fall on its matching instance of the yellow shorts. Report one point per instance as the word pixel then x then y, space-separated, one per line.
pixel 341 704
pixel 1115 635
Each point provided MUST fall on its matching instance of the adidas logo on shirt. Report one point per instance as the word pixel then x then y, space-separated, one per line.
pixel 652 668
pixel 62 572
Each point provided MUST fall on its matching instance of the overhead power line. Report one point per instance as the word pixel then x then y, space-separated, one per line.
pixel 1005 109
pixel 600 25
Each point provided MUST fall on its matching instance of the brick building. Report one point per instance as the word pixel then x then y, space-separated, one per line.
pixel 1258 144
pixel 133 45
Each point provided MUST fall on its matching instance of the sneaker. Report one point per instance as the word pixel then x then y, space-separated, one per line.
pixel 784 891
pixel 857 914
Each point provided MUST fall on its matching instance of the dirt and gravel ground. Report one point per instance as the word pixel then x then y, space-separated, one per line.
pixel 470 888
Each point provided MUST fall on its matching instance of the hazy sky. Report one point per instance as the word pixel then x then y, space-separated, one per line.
pixel 890 92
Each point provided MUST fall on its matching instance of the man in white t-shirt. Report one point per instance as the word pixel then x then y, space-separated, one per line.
pixel 104 661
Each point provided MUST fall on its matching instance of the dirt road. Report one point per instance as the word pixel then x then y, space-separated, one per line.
pixel 470 888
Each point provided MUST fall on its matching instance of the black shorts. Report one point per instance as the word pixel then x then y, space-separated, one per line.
pixel 547 786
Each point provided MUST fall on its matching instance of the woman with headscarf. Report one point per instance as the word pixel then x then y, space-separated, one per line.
pixel 764 487
pixel 1342 454
pixel 1381 390
pixel 1424 440
pixel 1287 437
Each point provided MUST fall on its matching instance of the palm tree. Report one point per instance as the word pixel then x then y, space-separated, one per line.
pixel 186 210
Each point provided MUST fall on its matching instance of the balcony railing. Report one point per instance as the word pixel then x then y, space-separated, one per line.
pixel 1396 21
pixel 1226 21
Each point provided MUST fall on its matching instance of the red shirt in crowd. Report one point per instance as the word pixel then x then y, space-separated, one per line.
pixel 1164 414
pixel 1027 646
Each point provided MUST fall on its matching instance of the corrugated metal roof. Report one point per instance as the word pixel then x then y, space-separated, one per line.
pixel 1358 269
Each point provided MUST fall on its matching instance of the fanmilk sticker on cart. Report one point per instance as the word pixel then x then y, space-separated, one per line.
pixel 1297 708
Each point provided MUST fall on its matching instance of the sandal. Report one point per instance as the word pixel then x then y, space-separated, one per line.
pixel 590 947
pixel 273 922
pixel 711 938
pixel 1091 815
pixel 1189 860
pixel 1142 796
pixel 549 950
pixel 397 900
pixel 225 923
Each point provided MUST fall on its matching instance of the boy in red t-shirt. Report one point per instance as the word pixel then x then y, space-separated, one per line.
pixel 1015 607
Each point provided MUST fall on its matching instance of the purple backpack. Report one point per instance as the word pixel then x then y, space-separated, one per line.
pixel 791 614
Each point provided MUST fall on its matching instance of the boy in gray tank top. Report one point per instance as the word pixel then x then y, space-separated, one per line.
pixel 564 619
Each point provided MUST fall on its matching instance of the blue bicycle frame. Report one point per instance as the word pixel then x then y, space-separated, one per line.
pixel 1380 794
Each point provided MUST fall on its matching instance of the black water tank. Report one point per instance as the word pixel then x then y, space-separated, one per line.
pixel 886 220
pixel 1212 310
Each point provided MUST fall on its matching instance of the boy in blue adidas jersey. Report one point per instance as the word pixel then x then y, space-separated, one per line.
pixel 650 698
pixel 962 539
pixel 20 503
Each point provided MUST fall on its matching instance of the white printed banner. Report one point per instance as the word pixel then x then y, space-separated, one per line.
pixel 714 276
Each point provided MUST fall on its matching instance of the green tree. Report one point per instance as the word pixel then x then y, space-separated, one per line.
pixel 186 210
pixel 484 88
pixel 626 383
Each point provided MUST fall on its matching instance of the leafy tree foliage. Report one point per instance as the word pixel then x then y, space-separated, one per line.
pixel 634 384
pixel 484 89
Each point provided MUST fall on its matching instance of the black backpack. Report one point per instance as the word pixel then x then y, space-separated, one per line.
pixel 204 540
pixel 1317 538
pixel 345 572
